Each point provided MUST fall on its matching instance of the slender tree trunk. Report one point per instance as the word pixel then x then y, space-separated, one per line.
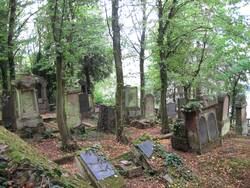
pixel 119 71
pixel 234 93
pixel 60 108
pixel 11 29
pixel 142 56
pixel 57 20
pixel 88 80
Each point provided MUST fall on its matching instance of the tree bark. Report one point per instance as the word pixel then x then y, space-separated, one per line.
pixel 119 71
pixel 57 29
pixel 142 56
pixel 234 93
pixel 163 70
pixel 11 30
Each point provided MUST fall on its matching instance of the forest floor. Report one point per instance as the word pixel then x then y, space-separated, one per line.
pixel 226 166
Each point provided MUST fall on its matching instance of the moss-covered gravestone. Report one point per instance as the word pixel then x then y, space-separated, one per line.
pixel 95 167
pixel 27 112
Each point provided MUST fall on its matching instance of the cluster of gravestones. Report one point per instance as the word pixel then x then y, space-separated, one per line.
pixel 96 168
pixel 201 129
pixel 29 99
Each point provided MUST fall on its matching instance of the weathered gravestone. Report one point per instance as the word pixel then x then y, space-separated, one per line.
pixel 100 172
pixel 27 112
pixel 131 102
pixel 241 115
pixel 85 100
pixel 223 113
pixel 106 120
pixel 202 128
pixel 72 108
pixel 149 104
pixel 171 110
pixel 145 154
pixel 41 88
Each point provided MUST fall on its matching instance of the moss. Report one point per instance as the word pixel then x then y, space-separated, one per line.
pixel 19 151
pixel 141 139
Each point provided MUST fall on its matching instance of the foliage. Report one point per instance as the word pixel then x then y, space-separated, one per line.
pixel 192 105
pixel 141 139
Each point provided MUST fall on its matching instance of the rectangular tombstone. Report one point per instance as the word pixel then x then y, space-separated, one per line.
pixel 72 108
pixel 223 113
pixel 149 106
pixel 147 148
pixel 84 104
pixel 241 115
pixel 106 119
pixel 131 96
pixel 171 110
pixel 100 172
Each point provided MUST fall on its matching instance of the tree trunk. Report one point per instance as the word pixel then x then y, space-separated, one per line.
pixel 163 70
pixel 87 76
pixel 234 93
pixel 12 20
pixel 142 57
pixel 60 107
pixel 57 20
pixel 119 71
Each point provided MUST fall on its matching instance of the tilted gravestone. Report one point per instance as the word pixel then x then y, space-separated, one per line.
pixel 27 112
pixel 171 110
pixel 72 107
pixel 100 172
pixel 241 115
pixel 202 127
pixel 131 102
pixel 149 105
pixel 222 113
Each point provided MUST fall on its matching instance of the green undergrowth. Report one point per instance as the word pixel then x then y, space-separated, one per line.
pixel 18 152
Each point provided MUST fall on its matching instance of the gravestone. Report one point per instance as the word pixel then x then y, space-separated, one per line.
pixel 106 120
pixel 41 88
pixel 100 172
pixel 149 105
pixel 202 127
pixel 84 105
pixel 27 112
pixel 241 115
pixel 171 110
pixel 85 100
pixel 147 148
pixel 72 108
pixel 222 113
pixel 131 103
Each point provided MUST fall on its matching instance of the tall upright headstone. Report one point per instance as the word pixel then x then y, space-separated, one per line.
pixel 84 97
pixel 241 115
pixel 131 102
pixel 41 88
pixel 72 108
pixel 223 113
pixel 27 112
pixel 149 105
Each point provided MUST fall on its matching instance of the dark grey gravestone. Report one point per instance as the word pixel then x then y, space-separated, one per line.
pixel 98 166
pixel 171 110
pixel 84 102
pixel 147 148
pixel 212 127
pixel 203 131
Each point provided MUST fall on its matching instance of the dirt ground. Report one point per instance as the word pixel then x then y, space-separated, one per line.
pixel 227 166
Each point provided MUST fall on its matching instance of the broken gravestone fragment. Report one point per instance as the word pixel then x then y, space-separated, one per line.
pixel 94 166
pixel 145 154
